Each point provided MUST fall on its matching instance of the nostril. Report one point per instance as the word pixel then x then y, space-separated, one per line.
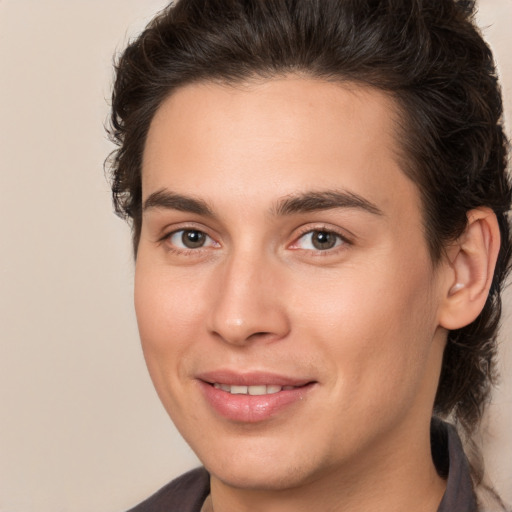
pixel 261 334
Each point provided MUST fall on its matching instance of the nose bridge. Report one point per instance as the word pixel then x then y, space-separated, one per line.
pixel 247 305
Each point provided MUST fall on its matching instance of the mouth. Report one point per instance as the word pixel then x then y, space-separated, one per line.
pixel 255 397
pixel 253 390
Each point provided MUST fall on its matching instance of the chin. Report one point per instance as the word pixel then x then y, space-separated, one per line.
pixel 263 469
pixel 259 478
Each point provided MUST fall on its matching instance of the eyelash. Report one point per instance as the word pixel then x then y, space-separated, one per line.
pixel 171 247
pixel 341 241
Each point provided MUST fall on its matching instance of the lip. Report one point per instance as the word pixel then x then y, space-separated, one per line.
pixel 252 408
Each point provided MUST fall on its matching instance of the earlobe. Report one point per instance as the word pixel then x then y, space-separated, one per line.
pixel 472 259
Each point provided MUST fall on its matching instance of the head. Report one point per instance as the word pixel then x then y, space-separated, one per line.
pixel 427 59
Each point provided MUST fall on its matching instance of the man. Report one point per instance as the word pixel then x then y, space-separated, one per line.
pixel 318 197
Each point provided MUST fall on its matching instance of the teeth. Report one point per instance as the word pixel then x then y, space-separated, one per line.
pixel 238 390
pixel 252 390
pixel 257 390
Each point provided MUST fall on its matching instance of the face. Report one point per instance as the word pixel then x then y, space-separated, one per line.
pixel 287 304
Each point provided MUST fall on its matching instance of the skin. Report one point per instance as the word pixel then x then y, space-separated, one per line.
pixel 362 320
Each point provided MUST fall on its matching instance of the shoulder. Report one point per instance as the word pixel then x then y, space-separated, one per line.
pixel 184 494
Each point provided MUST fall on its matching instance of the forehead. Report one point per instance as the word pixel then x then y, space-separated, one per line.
pixel 276 137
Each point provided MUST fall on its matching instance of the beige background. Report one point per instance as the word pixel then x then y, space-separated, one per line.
pixel 81 428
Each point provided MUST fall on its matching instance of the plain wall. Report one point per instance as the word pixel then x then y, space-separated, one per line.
pixel 81 428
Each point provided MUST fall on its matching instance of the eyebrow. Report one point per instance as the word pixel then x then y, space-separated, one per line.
pixel 172 201
pixel 297 203
pixel 324 200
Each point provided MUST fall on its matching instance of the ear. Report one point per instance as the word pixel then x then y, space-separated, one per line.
pixel 470 269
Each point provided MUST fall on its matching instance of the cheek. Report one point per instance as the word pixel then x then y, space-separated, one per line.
pixel 165 303
pixel 167 316
pixel 370 299
pixel 375 327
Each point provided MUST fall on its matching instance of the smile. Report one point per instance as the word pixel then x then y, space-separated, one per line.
pixel 251 398
pixel 256 390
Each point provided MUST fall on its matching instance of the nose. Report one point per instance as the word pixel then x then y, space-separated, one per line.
pixel 249 303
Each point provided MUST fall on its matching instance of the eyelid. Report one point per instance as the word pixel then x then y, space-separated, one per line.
pixel 169 231
pixel 305 230
pixel 208 238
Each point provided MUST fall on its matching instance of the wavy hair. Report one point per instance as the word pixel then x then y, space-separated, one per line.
pixel 428 55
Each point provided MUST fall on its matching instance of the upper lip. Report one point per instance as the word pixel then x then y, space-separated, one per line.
pixel 255 378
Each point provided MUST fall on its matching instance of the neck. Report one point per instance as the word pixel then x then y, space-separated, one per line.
pixel 401 477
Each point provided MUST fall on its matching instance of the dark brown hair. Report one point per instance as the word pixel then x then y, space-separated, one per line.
pixel 427 54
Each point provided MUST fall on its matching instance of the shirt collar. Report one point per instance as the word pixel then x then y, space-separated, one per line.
pixel 449 457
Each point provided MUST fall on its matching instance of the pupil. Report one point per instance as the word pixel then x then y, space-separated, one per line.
pixel 323 240
pixel 193 239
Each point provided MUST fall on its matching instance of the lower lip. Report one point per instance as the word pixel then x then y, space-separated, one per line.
pixel 252 408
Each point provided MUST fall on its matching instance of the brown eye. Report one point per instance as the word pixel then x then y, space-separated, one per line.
pixel 190 239
pixel 319 240
pixel 193 239
pixel 323 240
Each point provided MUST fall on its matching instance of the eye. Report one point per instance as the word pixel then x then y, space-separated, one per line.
pixel 190 239
pixel 319 240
